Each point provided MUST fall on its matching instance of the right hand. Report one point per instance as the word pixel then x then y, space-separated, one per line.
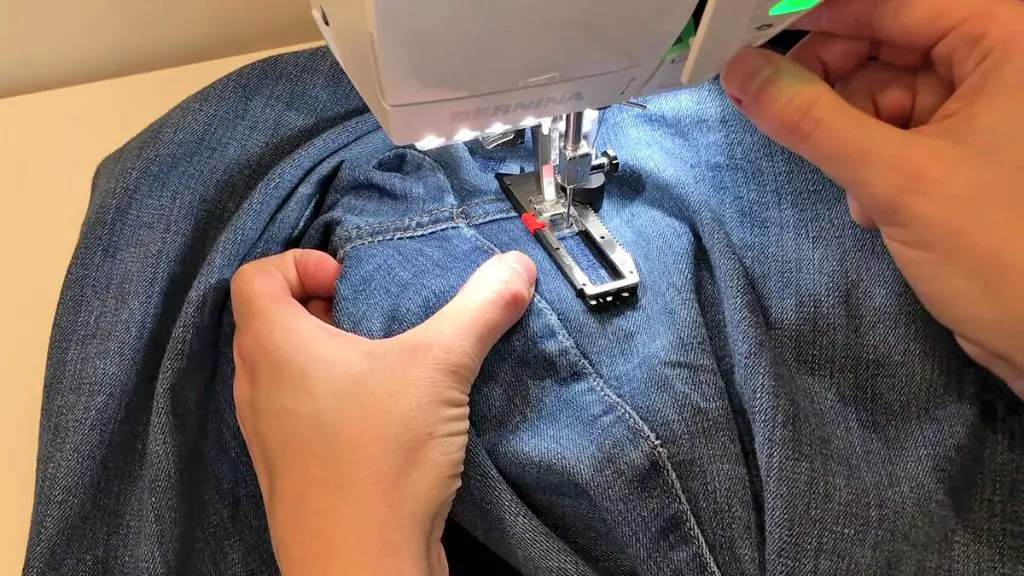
pixel 916 108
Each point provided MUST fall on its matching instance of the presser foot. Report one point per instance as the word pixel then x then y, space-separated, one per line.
pixel 547 219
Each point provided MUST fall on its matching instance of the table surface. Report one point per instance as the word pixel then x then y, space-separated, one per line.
pixel 50 145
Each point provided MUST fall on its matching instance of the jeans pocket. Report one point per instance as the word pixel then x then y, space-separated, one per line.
pixel 561 472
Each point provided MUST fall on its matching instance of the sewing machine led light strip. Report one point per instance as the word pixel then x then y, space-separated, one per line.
pixel 465 135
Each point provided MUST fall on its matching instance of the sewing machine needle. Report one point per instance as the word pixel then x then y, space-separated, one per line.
pixel 573 137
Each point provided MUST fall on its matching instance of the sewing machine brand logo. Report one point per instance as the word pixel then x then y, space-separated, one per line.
pixel 516 107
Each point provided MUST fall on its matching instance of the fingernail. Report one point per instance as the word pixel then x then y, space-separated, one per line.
pixel 522 265
pixel 745 74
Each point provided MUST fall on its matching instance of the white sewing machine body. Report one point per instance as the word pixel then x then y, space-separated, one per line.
pixel 438 72
pixel 441 71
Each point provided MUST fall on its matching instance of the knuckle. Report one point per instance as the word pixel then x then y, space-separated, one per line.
pixel 249 354
pixel 243 278
pixel 242 393
pixel 860 216
pixel 801 119
pixel 241 344
pixel 243 407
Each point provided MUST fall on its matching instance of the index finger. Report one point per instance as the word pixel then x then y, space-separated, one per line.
pixel 282 283
pixel 918 24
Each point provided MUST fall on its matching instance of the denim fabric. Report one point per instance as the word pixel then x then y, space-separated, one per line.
pixel 776 401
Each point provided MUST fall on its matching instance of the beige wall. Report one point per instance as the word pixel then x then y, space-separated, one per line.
pixel 58 43
pixel 50 144
pixel 47 45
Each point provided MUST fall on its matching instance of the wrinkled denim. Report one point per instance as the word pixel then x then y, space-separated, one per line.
pixel 776 401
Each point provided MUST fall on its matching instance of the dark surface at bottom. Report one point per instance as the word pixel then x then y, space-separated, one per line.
pixel 467 556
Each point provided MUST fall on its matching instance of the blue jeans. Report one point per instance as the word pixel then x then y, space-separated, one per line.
pixel 776 401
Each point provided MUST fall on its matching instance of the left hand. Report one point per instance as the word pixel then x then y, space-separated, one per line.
pixel 358 445
pixel 913 107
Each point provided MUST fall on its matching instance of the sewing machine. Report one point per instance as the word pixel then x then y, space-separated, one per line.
pixel 439 72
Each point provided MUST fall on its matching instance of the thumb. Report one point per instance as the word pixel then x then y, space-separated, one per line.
pixel 800 111
pixel 493 299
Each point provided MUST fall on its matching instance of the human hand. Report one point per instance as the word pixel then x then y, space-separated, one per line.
pixel 358 445
pixel 914 107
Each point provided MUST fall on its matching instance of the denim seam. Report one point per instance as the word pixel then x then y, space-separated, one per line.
pixel 627 412
pixel 654 444
pixel 424 216
pixel 467 226
pixel 455 222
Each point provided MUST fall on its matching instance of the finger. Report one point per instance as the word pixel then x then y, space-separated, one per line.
pixel 321 308
pixel 916 24
pixel 242 391
pixel 490 303
pixel 858 213
pixel 860 92
pixel 801 112
pixel 901 56
pixel 832 58
pixel 882 91
pixel 994 364
pixel 896 96
pixel 836 58
pixel 279 284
